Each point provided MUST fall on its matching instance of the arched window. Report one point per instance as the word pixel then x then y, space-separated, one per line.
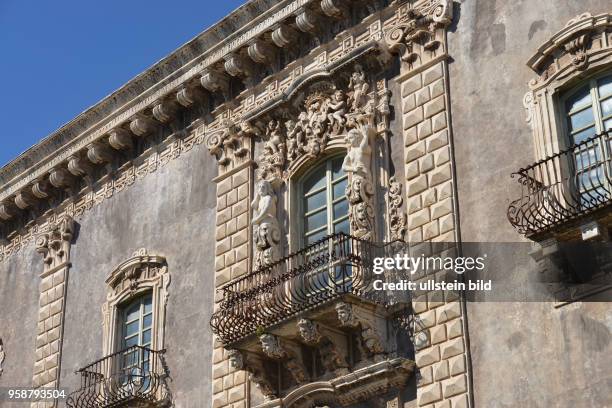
pixel 323 206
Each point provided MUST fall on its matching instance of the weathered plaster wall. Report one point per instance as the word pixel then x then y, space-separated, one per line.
pixel 18 316
pixel 171 213
pixel 523 354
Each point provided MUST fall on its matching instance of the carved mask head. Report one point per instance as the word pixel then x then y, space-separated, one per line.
pixel 345 313
pixel 235 359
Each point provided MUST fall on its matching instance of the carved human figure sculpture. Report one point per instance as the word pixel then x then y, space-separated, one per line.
pixel 358 154
pixel 359 86
pixel 266 233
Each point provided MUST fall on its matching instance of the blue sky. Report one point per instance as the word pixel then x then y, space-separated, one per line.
pixel 58 58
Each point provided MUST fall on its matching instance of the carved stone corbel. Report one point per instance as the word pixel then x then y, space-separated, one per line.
pixel 336 9
pixel 24 199
pixel 272 348
pixel 371 341
pixel 40 188
pixel 163 111
pixel 283 35
pixel 215 81
pixel 141 126
pixel 238 66
pixel 7 210
pixel 577 48
pixel 60 177
pixel 54 245
pixel 98 153
pixel 307 21
pixel 333 360
pixel 78 165
pixel 120 139
pixel 257 373
pixel 261 52
pixel 185 97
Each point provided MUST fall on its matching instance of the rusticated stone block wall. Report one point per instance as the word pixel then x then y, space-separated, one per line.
pixel 233 247
pixel 441 350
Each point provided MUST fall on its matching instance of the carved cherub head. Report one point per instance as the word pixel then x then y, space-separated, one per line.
pixel 339 95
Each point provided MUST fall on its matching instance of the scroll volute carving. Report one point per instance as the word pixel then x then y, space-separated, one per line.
pixel 232 142
pixel 54 245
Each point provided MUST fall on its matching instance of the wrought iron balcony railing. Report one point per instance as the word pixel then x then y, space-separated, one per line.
pixel 135 376
pixel 322 272
pixel 566 186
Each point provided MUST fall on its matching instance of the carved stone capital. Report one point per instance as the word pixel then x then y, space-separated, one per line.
pixel 283 35
pixel 99 153
pixel 54 245
pixel 261 52
pixel 120 139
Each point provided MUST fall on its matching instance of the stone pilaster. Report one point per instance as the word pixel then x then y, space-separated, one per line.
pixel 232 250
pixel 54 246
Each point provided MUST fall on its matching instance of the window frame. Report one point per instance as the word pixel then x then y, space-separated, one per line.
pixel 300 226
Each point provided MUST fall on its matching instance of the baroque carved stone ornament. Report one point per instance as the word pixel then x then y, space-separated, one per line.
pixel 266 231
pixel 397 216
pixel 54 245
pixel 2 356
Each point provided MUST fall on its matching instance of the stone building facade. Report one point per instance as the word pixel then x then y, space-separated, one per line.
pixel 201 237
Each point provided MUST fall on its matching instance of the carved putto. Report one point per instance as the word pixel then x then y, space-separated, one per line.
pixel 266 232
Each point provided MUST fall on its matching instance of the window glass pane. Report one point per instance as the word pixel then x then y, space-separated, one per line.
pixel 340 189
pixel 342 226
pixel 148 301
pixel 315 201
pixel 146 337
pixel 132 341
pixel 581 119
pixel 337 171
pixel 316 220
pixel 315 180
pixel 608 124
pixel 584 135
pixel 606 107
pixel 341 209
pixel 579 100
pixel 132 328
pixel 605 86
pixel 147 321
pixel 133 312
pixel 316 236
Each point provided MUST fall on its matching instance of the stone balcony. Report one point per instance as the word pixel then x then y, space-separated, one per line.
pixel 310 328
pixel 134 377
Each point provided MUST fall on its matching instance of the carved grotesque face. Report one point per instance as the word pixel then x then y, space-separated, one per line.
pixel 235 359
pixel 268 343
pixel 344 312
pixel 305 327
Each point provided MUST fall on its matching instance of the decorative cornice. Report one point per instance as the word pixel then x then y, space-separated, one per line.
pixel 582 40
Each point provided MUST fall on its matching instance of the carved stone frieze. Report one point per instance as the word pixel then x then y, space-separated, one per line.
pixel 397 215
pixel 266 231
pixel 54 245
